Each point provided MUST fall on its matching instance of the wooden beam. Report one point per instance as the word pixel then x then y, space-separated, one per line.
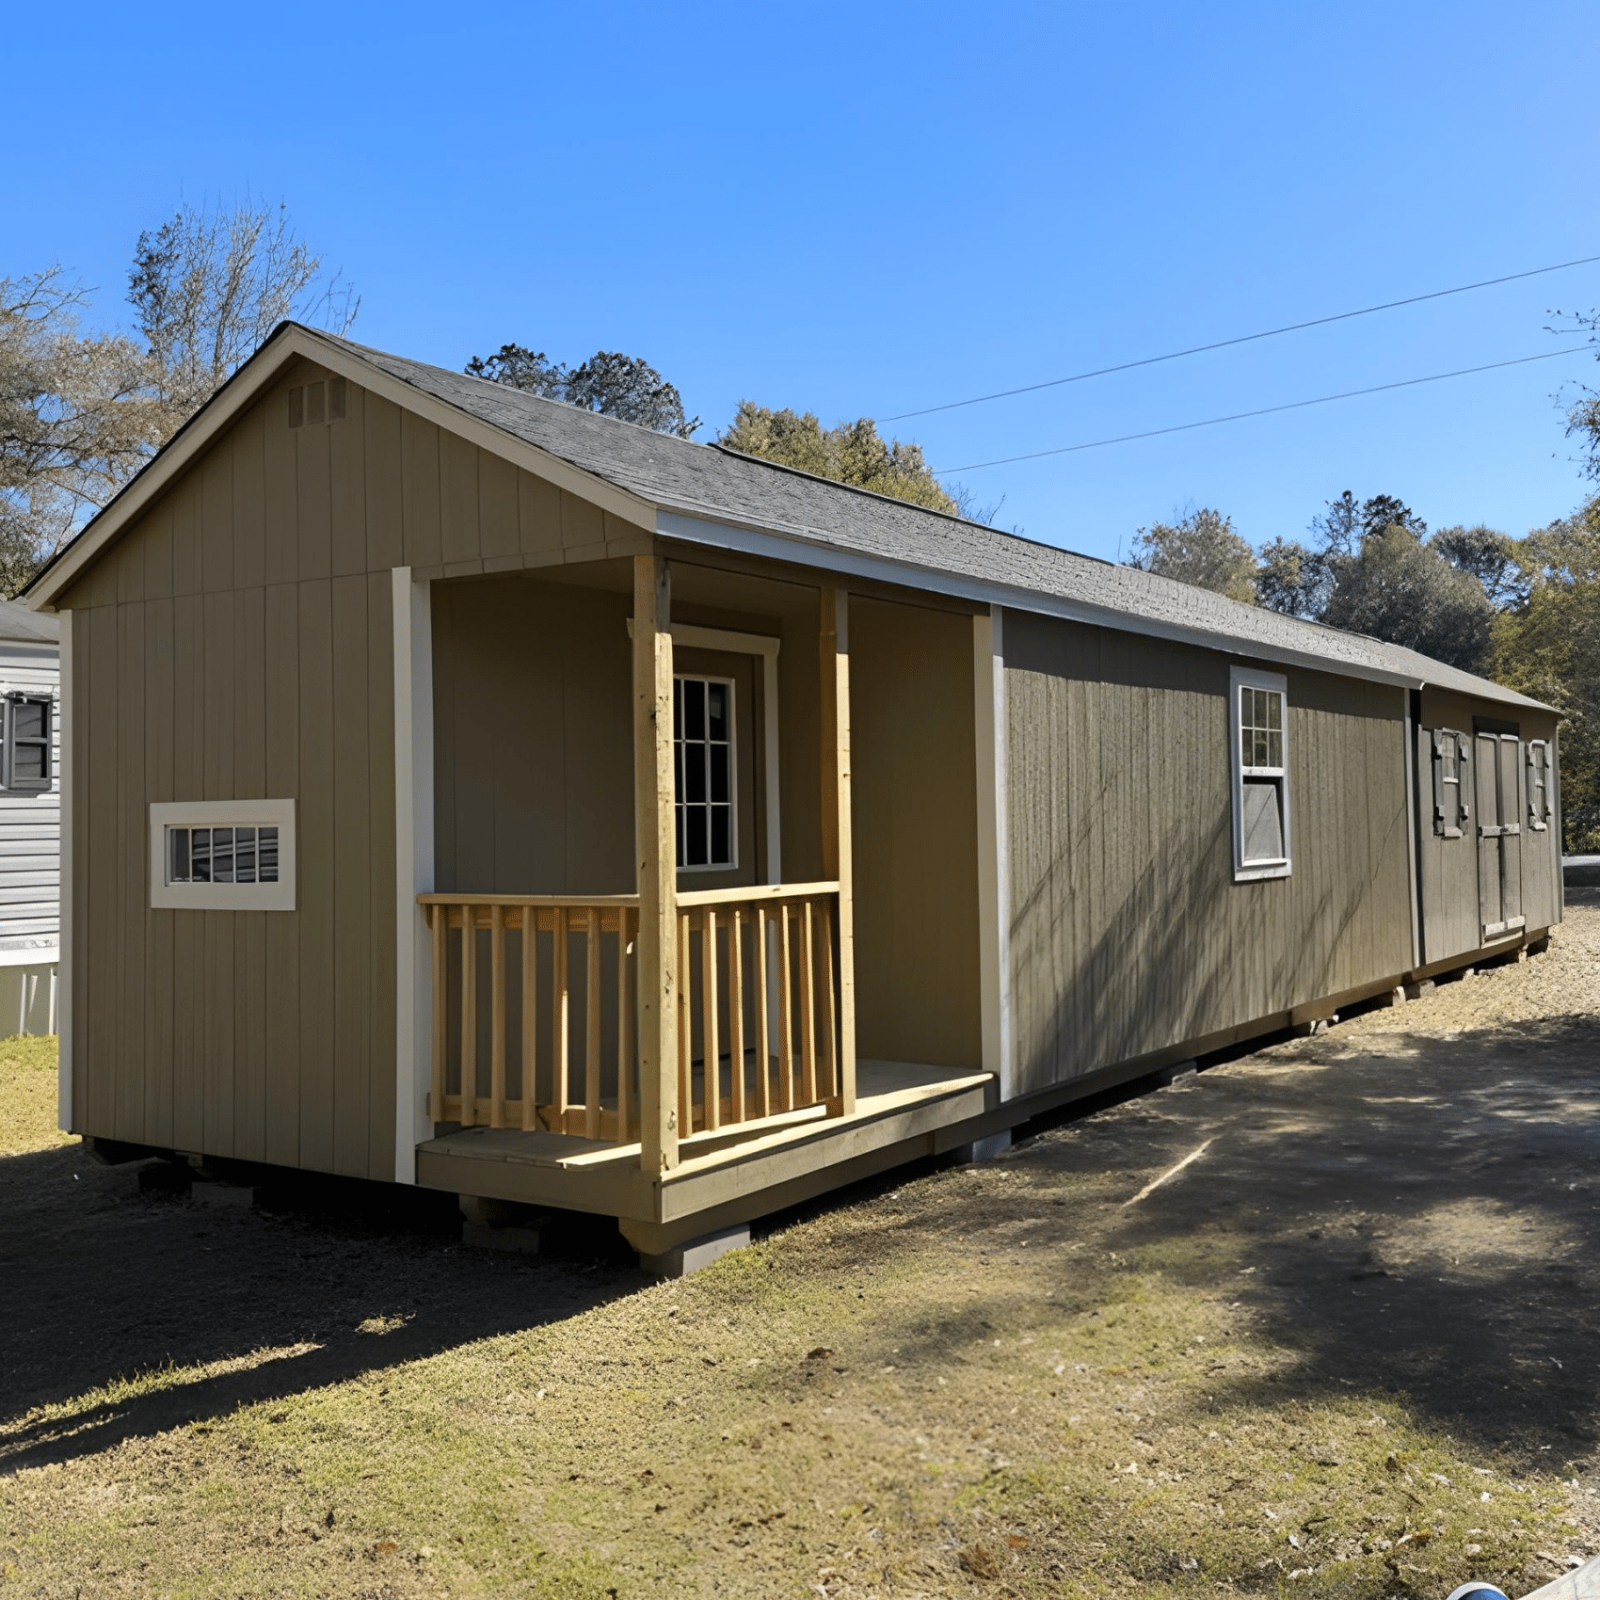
pixel 837 861
pixel 657 855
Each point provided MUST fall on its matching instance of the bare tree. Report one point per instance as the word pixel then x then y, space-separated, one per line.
pixel 78 417
pixel 210 285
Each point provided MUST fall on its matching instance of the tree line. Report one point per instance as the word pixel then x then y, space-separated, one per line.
pixel 1524 611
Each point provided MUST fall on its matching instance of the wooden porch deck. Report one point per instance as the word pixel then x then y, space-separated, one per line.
pixel 723 1176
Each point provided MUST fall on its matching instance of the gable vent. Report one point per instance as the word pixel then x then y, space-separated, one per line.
pixel 311 403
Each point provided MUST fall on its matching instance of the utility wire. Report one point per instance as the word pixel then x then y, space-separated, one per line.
pixel 1247 338
pixel 1265 411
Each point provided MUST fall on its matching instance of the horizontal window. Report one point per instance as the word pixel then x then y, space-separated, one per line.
pixel 222 855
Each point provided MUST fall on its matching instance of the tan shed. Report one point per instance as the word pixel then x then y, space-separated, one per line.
pixel 463 789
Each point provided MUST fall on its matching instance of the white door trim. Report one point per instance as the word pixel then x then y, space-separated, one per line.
pixel 994 866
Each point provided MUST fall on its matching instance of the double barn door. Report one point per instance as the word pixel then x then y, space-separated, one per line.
pixel 1497 790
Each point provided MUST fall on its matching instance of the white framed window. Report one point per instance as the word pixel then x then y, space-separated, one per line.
pixel 28 730
pixel 1540 806
pixel 702 747
pixel 1258 727
pixel 222 855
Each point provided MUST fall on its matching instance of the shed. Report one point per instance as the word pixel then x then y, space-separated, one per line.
pixel 467 790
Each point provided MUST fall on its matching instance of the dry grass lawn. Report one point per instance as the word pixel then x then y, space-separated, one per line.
pixel 1347 1351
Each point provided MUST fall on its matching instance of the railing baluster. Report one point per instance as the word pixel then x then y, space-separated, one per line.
pixel 591 1027
pixel 785 1016
pixel 711 1075
pixel 736 1107
pixel 625 1005
pixel 469 1015
pixel 530 1018
pixel 763 1025
pixel 830 1022
pixel 439 924
pixel 560 1023
pixel 685 1033
pixel 808 1008
pixel 497 1016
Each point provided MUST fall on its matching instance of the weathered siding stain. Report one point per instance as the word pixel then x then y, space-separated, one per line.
pixel 235 643
pixel 1128 935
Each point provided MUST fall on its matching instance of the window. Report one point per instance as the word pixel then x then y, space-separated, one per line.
pixel 702 741
pixel 1451 754
pixel 317 402
pixel 1540 807
pixel 1259 724
pixel 27 731
pixel 223 855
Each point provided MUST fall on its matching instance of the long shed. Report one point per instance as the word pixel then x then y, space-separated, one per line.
pixel 467 790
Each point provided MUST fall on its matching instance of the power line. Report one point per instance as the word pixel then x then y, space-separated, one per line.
pixel 1265 411
pixel 1247 338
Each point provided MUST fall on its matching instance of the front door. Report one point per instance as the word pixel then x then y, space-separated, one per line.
pixel 1498 791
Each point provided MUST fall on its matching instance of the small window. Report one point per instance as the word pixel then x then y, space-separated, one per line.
pixel 702 740
pixel 1451 754
pixel 27 732
pixel 229 855
pixel 1260 734
pixel 1539 803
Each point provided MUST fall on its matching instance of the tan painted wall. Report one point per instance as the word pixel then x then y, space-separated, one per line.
pixel 236 643
pixel 1128 934
pixel 914 811
pixel 1448 868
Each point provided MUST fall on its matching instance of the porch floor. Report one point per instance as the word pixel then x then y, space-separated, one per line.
pixel 896 1102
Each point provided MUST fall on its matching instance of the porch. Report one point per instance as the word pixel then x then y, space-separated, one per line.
pixel 686 1035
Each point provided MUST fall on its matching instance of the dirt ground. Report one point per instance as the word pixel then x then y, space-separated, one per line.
pixel 1347 1350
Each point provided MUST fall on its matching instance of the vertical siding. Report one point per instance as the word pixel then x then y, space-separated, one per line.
pixel 1128 934
pixel 914 809
pixel 236 643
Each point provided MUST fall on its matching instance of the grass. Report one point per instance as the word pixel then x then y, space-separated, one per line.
pixel 974 1383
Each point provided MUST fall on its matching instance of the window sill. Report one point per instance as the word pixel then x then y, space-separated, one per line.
pixel 1252 872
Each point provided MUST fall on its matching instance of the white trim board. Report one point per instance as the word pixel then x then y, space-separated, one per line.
pixel 690 636
pixel 414 866
pixel 64 725
pixel 994 864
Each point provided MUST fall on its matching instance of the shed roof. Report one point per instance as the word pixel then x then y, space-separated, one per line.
pixel 697 489
pixel 24 625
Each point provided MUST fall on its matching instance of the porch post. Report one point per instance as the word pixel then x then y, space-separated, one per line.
pixel 834 646
pixel 657 854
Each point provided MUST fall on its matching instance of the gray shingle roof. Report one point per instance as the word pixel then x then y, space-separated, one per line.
pixel 713 482
pixel 26 625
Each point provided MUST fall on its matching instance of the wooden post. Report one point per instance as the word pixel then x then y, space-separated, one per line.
pixel 834 642
pixel 657 854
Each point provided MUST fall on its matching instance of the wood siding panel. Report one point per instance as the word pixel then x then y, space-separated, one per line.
pixel 915 829
pixel 281 1091
pixel 315 896
pixel 1128 934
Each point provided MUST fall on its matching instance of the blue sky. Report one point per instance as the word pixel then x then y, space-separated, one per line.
pixel 862 209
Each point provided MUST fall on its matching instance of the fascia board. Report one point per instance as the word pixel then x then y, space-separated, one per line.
pixel 247 385
pixel 780 547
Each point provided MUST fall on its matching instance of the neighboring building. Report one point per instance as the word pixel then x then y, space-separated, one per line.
pixel 30 819
pixel 799 831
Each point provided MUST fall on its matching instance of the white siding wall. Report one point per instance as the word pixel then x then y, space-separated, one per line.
pixel 30 824
pixel 30 864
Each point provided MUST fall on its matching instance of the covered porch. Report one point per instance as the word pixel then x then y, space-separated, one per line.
pixel 663 1047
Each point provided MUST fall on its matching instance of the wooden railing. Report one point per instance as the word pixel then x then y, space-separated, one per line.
pixel 758 1005
pixel 535 1009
